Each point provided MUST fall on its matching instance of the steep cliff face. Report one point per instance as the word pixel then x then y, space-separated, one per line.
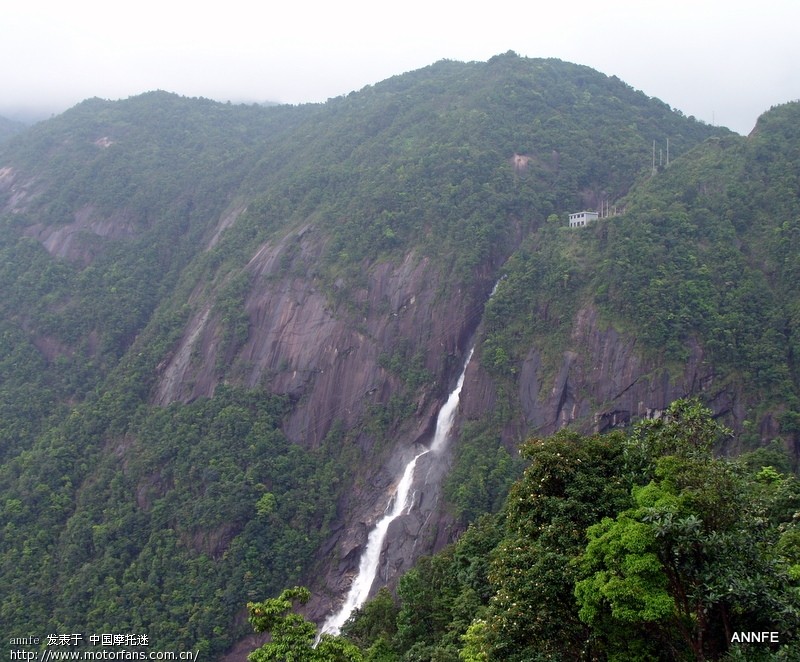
pixel 602 381
pixel 84 238
pixel 330 361
pixel 326 358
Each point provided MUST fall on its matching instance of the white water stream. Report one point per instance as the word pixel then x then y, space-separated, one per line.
pixel 399 504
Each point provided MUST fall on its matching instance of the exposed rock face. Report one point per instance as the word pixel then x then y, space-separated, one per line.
pixel 326 358
pixel 327 361
pixel 602 382
pixel 81 240
pixel 225 221
pixel 19 192
pixel 422 529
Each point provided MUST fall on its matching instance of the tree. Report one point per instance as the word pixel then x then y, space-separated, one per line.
pixel 572 482
pixel 374 621
pixel 694 560
pixel 292 636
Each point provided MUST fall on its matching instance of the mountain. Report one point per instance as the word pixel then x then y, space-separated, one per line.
pixel 226 328
pixel 8 128
pixel 689 291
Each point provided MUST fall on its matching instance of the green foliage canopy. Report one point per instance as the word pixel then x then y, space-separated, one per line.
pixel 623 547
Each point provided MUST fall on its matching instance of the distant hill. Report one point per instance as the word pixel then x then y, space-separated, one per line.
pixel 224 327
pixel 9 128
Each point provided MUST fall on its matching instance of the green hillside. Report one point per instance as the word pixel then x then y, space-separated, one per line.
pixel 169 447
pixel 705 252
pixel 595 555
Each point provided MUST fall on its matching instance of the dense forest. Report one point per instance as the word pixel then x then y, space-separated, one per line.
pixel 223 326
pixel 640 546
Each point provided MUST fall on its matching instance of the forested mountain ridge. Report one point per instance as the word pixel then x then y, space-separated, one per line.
pixel 225 326
pixel 689 291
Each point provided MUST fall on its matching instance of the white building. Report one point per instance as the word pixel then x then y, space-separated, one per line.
pixel 582 218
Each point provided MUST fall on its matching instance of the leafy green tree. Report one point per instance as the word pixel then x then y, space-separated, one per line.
pixel 476 648
pixel 292 636
pixel 374 621
pixel 640 546
pixel 571 483
pixel 694 560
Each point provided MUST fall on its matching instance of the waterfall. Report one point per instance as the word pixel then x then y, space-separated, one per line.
pixel 399 504
pixel 447 414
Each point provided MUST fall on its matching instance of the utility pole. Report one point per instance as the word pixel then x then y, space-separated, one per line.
pixel 654 157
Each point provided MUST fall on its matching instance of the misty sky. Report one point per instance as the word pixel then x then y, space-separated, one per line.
pixel 723 62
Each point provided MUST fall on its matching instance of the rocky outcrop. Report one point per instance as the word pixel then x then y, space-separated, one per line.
pixel 325 357
pixel 82 239
pixel 18 192
pixel 602 382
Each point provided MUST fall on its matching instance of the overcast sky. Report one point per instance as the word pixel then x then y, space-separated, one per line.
pixel 723 62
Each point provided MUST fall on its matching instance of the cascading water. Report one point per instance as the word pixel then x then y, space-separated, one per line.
pixel 399 504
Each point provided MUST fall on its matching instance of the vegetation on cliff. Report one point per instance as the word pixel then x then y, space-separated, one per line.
pixel 120 222
pixel 9 128
pixel 705 253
